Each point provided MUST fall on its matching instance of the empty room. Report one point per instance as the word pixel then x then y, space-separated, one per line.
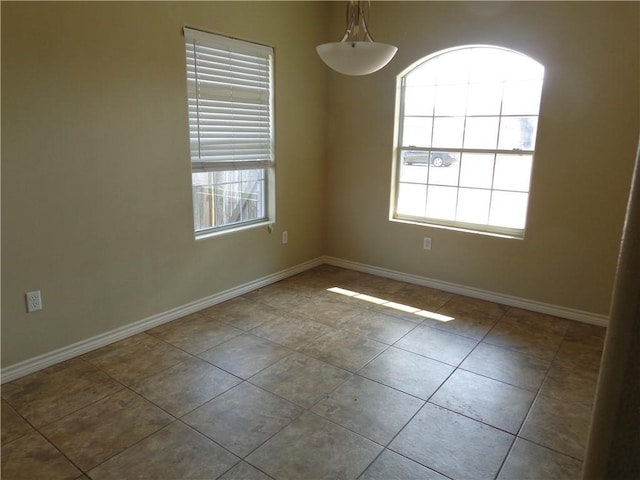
pixel 319 240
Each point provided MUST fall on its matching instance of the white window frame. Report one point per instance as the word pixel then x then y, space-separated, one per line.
pixel 457 150
pixel 230 85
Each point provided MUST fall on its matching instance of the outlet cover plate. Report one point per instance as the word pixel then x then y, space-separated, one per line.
pixel 34 301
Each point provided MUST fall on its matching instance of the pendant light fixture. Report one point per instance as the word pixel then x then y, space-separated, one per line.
pixel 357 53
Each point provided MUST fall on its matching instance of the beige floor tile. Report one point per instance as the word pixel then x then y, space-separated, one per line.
pixel 528 461
pixel 462 324
pixel 424 298
pixel 570 384
pixel 300 379
pixel 379 326
pixel 292 332
pixel 32 457
pixel 92 435
pixel 278 297
pixel 185 386
pixel 12 425
pixel 242 313
pixel 547 323
pixel 344 350
pixel 54 392
pixel 558 425
pixel 403 311
pixel 245 355
pixel 507 366
pixel 135 358
pixel 473 308
pixel 195 333
pixel 452 444
pixel 489 401
pixel 243 418
pixel 529 333
pixel 579 356
pixel 436 344
pixel 408 372
pixel 335 294
pixel 244 471
pixel 353 298
pixel 369 408
pixel 368 284
pixel 391 466
pixel 331 272
pixel 341 277
pixel 585 334
pixel 175 452
pixel 333 313
pixel 313 448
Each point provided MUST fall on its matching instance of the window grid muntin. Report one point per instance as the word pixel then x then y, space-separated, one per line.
pixel 458 187
pixel 461 150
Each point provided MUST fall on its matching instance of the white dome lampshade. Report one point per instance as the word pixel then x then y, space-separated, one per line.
pixel 356 58
pixel 356 53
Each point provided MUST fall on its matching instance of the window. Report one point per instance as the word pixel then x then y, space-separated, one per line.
pixel 467 122
pixel 230 90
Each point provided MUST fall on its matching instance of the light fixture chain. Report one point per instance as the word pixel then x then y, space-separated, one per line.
pixel 357 53
pixel 357 16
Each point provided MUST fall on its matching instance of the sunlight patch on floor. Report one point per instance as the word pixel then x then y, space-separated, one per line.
pixel 389 304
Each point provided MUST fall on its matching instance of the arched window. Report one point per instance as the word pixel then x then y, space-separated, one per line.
pixel 466 131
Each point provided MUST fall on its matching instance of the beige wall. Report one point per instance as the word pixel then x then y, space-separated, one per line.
pixel 96 202
pixel 96 192
pixel 586 145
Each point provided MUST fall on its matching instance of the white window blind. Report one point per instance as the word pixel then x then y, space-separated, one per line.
pixel 230 95
pixel 230 102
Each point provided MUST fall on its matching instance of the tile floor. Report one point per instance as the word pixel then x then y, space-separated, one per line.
pixel 329 374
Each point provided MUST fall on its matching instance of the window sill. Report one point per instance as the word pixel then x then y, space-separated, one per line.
pixel 205 234
pixel 470 229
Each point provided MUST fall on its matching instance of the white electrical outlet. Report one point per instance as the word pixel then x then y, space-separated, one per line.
pixel 427 243
pixel 34 301
pixel 285 237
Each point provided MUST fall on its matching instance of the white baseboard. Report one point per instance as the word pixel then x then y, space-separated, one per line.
pixel 563 312
pixel 31 365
